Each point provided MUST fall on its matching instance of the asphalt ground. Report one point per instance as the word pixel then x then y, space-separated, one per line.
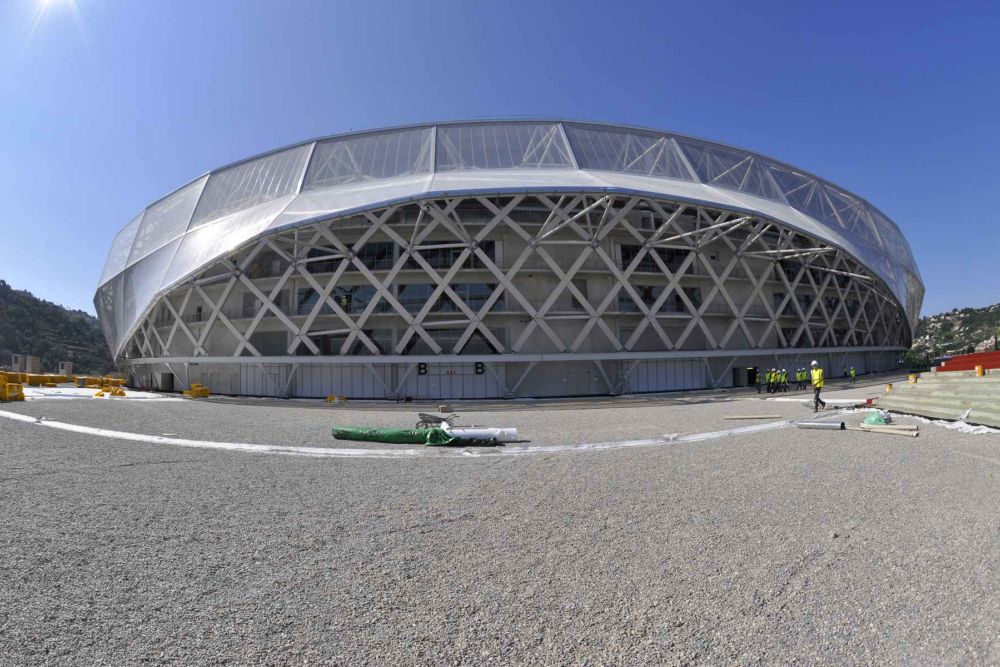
pixel 786 546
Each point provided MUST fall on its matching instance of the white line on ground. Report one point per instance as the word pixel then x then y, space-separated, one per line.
pixel 331 452
pixel 809 400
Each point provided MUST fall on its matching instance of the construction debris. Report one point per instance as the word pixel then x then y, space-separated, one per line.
pixel 829 426
pixel 754 417
pixel 442 434
pixel 890 430
pixel 878 418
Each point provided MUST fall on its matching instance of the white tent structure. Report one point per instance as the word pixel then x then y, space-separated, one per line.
pixel 501 259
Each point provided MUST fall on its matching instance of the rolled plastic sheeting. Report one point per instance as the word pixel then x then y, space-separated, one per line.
pixel 437 436
pixel 482 433
pixel 395 436
pixel 829 426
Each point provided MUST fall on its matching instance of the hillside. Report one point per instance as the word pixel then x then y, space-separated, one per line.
pixel 34 326
pixel 957 331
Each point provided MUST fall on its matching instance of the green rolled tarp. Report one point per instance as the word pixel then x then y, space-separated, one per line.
pixel 395 436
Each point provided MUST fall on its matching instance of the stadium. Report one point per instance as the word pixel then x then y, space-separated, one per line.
pixel 503 259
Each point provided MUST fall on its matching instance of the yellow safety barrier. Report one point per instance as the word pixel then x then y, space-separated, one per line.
pixel 197 391
pixel 11 391
pixel 10 388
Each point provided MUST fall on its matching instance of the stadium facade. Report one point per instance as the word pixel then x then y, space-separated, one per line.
pixel 503 259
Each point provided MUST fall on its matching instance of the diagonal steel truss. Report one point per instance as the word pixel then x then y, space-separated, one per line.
pixel 819 296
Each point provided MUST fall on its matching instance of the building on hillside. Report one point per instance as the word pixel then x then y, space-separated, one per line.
pixel 503 259
pixel 25 363
pixel 988 345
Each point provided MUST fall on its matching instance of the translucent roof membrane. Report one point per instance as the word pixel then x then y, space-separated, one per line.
pixel 142 281
pixel 502 146
pixel 611 149
pixel 370 156
pixel 730 168
pixel 166 219
pixel 120 249
pixel 210 217
pixel 251 183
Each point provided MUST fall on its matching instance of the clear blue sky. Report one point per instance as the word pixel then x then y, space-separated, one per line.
pixel 106 106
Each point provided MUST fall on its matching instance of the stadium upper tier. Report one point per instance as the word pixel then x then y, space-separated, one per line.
pixel 324 178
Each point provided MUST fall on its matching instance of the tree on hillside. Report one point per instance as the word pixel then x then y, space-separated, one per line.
pixel 29 325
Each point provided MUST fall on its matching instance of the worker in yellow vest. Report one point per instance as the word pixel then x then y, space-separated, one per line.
pixel 816 373
pixel 854 375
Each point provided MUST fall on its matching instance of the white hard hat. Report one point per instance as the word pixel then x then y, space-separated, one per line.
pixel 814 363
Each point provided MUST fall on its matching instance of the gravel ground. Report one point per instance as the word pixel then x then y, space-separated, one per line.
pixel 783 546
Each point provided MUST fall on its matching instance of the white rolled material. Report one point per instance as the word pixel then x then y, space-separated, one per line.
pixel 481 433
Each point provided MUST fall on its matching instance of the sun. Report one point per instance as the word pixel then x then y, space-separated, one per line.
pixel 45 7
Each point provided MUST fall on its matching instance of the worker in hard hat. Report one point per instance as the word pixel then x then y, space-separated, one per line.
pixel 772 385
pixel 816 375
pixel 784 379
pixel 854 375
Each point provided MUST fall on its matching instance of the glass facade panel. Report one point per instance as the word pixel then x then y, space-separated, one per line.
pixel 671 257
pixel 413 296
pixel 474 295
pixel 354 299
pixel 445 258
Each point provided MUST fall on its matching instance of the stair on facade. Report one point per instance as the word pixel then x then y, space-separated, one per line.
pixel 949 396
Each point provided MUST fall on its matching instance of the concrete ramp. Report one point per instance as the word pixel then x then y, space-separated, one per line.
pixel 958 395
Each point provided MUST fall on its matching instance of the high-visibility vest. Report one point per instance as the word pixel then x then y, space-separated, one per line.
pixel 853 373
pixel 817 377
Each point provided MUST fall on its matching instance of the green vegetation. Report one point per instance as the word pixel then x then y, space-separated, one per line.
pixel 955 332
pixel 30 325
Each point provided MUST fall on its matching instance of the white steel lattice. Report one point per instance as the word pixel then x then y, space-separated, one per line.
pixel 554 274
